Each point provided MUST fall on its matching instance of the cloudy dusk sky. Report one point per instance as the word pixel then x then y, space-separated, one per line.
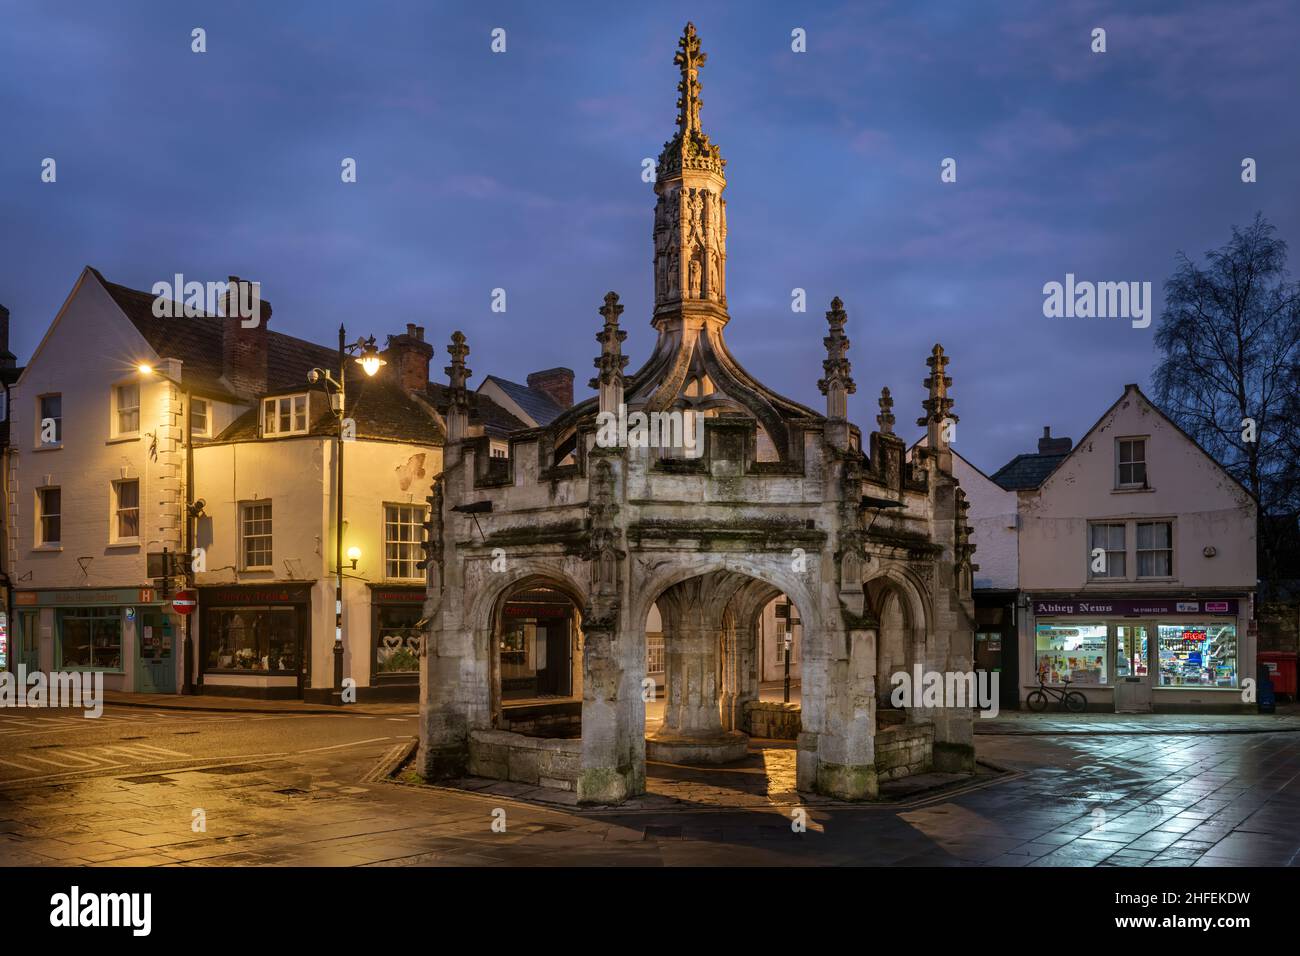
pixel 522 171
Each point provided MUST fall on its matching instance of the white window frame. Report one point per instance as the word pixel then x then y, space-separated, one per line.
pixel 206 430
pixel 116 429
pixel 244 508
pixel 1120 464
pixel 1138 551
pixel 1123 526
pixel 40 417
pixel 42 516
pixel 115 519
pixel 415 551
pixel 271 423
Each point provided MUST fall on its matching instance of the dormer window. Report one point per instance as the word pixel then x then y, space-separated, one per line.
pixel 1131 463
pixel 286 415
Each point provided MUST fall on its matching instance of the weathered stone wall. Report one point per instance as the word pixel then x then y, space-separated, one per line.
pixel 539 761
pixel 904 750
pixel 560 720
pixel 773 719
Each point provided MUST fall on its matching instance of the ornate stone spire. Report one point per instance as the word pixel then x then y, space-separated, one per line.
pixel 838 384
pixel 458 396
pixel 690 147
pixel 612 361
pixel 885 420
pixel 690 228
pixel 938 407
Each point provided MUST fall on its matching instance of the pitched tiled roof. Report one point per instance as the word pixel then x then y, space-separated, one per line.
pixel 380 409
pixel 1026 471
pixel 539 406
pixel 197 343
pixel 483 411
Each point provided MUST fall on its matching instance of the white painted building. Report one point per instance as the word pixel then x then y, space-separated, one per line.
pixel 1136 566
pixel 97 492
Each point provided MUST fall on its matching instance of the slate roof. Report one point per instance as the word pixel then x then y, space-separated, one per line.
pixel 379 406
pixel 1026 471
pixel 197 343
pixel 380 409
pixel 496 421
pixel 539 406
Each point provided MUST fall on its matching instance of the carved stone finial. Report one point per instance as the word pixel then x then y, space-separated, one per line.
pixel 938 407
pixel 456 371
pixel 885 420
pixel 689 148
pixel 838 384
pixel 611 361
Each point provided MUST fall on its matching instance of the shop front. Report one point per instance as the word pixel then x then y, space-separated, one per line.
pixel 1185 654
pixel 128 634
pixel 395 615
pixel 255 641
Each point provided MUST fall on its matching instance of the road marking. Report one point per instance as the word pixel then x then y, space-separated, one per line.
pixel 354 743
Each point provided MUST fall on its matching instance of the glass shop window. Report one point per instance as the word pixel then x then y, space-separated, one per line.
pixel 252 640
pixel 1198 655
pixel 91 637
pixel 1074 651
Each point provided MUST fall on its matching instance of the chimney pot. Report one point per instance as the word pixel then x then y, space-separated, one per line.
pixel 409 356
pixel 556 383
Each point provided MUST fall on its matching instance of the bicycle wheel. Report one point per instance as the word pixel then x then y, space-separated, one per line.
pixel 1036 701
pixel 1075 702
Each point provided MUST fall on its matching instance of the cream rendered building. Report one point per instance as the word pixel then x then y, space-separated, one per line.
pixel 97 492
pixel 1137 567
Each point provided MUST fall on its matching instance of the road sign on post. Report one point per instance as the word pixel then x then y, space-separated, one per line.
pixel 185 602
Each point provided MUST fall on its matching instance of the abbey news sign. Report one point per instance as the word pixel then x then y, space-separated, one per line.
pixel 1131 608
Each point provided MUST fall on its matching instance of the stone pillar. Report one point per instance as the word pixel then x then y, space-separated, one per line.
pixel 604 777
pixel 692 731
pixel 613 715
pixel 455 670
pixel 846 751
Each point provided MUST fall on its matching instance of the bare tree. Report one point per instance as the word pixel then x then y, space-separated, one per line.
pixel 1230 334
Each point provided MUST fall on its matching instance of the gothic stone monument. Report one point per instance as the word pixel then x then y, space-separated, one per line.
pixel 871 547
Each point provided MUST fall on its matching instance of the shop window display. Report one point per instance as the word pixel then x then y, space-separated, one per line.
pixel 91 637
pixel 1198 655
pixel 252 639
pixel 1073 651
pixel 397 650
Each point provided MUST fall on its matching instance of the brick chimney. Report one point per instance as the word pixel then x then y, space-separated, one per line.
pixel 1047 445
pixel 555 382
pixel 408 355
pixel 7 358
pixel 244 350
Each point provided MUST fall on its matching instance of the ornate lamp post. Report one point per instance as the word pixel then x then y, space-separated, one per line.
pixel 367 356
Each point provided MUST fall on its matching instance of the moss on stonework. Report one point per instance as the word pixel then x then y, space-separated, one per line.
pixel 560 532
pixel 847 782
pixel 776 533
pixel 601 785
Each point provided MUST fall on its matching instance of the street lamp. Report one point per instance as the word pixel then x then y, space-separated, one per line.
pixel 354 555
pixel 367 356
pixel 191 512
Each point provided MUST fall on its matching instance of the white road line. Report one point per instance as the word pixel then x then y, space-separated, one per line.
pixel 354 743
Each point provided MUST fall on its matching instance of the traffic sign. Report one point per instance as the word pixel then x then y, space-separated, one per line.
pixel 185 602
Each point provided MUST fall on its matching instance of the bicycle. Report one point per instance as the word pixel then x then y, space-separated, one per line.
pixel 1071 700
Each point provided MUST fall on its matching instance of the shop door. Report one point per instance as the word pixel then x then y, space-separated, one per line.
pixel 27 648
pixel 1133 652
pixel 155 650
